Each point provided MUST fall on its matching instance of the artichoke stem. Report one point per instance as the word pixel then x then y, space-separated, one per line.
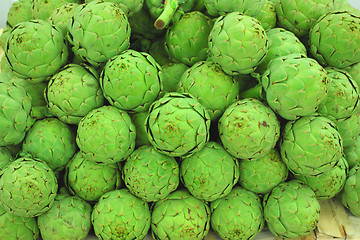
pixel 170 7
pixel 254 92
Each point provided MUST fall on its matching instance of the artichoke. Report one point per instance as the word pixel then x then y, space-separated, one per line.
pixel 106 135
pixel 5 157
pixel 211 86
pixel 178 125
pixel 348 128
pixel 351 193
pixel 210 173
pixel 61 15
pixel 354 71
pixel 98 31
pixel 27 187
pixel 131 81
pixel 130 7
pixel 4 34
pixel 149 174
pixel 20 11
pixel 73 92
pixel 352 152
pixel 239 215
pixel 158 52
pixel 41 9
pixel 172 73
pixel 180 216
pixel 67 219
pixel 249 129
pixel 52 141
pixel 335 39
pixel 311 145
pixel 121 215
pixel 238 43
pixel 141 135
pixel 89 180
pixel 34 38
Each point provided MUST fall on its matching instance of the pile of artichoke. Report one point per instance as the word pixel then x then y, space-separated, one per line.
pixel 169 118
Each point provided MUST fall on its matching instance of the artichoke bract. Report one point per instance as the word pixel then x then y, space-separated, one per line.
pixel 139 119
pixel 33 38
pixel 73 92
pixel 210 173
pixel 5 157
pixel 172 73
pixel 131 81
pixel 98 31
pixel 354 71
pixel 61 15
pixel 89 180
pixel 20 11
pixel 249 129
pixel 291 209
pixel 41 9
pixel 121 215
pixel 187 39
pixel 238 43
pixel 351 193
pixel 68 218
pixel 348 128
pixel 295 86
pixel 180 216
pixel 352 152
pixel 4 36
pixel 15 227
pixel 28 187
pixel 261 175
pixel 335 39
pixel 178 125
pixel 311 145
pixel 239 215
pixel 130 7
pixel 211 86
pixel 149 174
pixel 106 135
pixel 52 141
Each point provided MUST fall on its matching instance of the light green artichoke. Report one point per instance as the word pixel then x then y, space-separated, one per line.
pixel 187 39
pixel 149 174
pixel 238 215
pixel 348 128
pixel 238 43
pixel 52 141
pixel 74 92
pixel 4 36
pixel 261 175
pixel 98 31
pixel 335 39
pixel 121 215
pixel 249 129
pixel 172 73
pixel 61 16
pixel 141 135
pixel 352 152
pixel 131 81
pixel 4 64
pixel 20 11
pixel 178 125
pixel 311 145
pixel 67 219
pixel 89 180
pixel 291 210
pixel 34 38
pixel 281 43
pixel 295 86
pixel 42 9
pixel 210 173
pixel 27 187
pixel 350 196
pixel 158 52
pixel 5 157
pixel 106 135
pixel 130 7
pixel 211 86
pixel 180 216
pixel 14 227
pixel 354 71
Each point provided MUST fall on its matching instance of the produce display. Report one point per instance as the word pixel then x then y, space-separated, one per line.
pixel 170 119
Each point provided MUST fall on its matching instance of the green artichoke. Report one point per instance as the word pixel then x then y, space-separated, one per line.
pixel 121 215
pixel 149 174
pixel 14 227
pixel 4 64
pixel 352 152
pixel 335 39
pixel 186 40
pixel 211 173
pixel 27 187
pixel 131 81
pixel 52 141
pixel 238 215
pixel 351 193
pixel 141 135
pixel 42 9
pixel 180 216
pixel 34 38
pixel 5 157
pixel 89 180
pixel 261 175
pixel 106 135
pixel 354 71
pixel 249 129
pixel 130 7
pixel 178 125
pixel 211 86
pixel 238 43
pixel 74 92
pixel 172 73
pixel 4 34
pixel 67 219
pixel 158 52
pixel 311 145
pixel 20 11
pixel 348 128
pixel 60 16
pixel 98 31
pixel 291 210
pixel 295 86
